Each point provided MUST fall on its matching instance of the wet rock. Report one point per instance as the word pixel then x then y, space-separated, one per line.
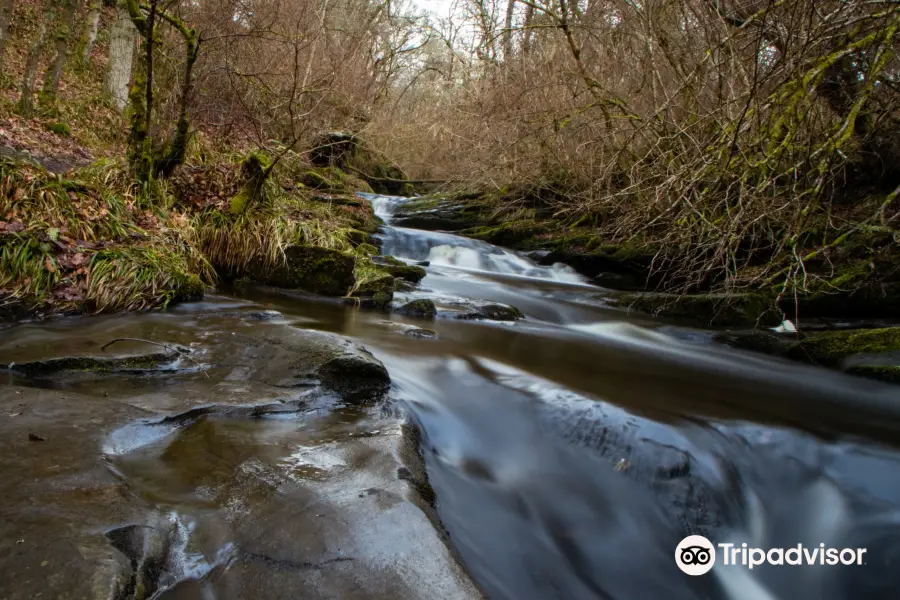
pixel 59 496
pixel 724 310
pixel 288 357
pixel 886 373
pixel 491 312
pixel 375 293
pixel 423 263
pixel 420 333
pixel 134 365
pixel 438 213
pixel 248 315
pixel 401 285
pixel 422 309
pixel 837 348
pixel 397 268
pixel 763 342
pixel 316 270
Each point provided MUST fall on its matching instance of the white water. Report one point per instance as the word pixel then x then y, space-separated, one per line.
pixel 455 251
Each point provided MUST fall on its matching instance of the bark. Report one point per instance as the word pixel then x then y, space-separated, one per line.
pixel 121 56
pixel 26 98
pixel 529 20
pixel 6 9
pixel 507 30
pixel 62 38
pixel 89 33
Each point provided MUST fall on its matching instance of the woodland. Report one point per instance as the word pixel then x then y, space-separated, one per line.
pixel 746 149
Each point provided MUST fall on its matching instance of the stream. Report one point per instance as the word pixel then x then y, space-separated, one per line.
pixel 559 456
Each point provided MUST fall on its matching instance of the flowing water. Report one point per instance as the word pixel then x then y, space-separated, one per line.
pixel 562 456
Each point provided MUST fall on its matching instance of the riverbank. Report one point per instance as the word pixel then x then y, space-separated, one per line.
pixel 91 240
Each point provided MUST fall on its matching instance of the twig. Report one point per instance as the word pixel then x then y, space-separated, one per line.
pixel 166 346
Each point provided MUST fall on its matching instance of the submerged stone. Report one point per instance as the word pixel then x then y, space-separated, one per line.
pixel 134 364
pixel 491 312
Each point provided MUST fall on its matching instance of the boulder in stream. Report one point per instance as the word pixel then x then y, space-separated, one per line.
pixel 313 269
pixel 401 270
pixel 491 312
pixel 422 309
pixel 287 357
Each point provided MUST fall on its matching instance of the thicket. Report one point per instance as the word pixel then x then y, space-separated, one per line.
pixel 744 144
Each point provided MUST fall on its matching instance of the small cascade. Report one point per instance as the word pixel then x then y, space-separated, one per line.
pixel 448 250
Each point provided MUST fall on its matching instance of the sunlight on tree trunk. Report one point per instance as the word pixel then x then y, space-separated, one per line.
pixel 89 33
pixel 121 56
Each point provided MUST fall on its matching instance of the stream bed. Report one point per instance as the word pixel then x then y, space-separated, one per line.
pixel 273 445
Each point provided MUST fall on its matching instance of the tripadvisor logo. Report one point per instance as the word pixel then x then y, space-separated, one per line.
pixel 696 555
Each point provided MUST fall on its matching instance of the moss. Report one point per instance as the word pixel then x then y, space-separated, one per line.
pixel 313 269
pixel 410 273
pixel 832 347
pixel 189 288
pixel 887 373
pixel 60 128
pixel 422 308
pixel 726 310
pixel 514 234
pixel 377 292
pixel 255 169
pixel 89 364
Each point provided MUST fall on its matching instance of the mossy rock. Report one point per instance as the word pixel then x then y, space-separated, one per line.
pixel 316 270
pixel 722 310
pixel 398 268
pixel 439 213
pixel 421 309
pixel 60 128
pixel 886 373
pixel 189 289
pixel 134 365
pixel 762 342
pixel 377 293
pixel 514 234
pixel 832 348
pixel 491 312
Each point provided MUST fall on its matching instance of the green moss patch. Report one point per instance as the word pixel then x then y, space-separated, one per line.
pixel 725 310
pixel 832 347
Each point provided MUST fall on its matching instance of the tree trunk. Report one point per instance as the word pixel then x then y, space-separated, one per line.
pixel 121 55
pixel 26 98
pixel 61 43
pixel 89 34
pixel 526 40
pixel 507 30
pixel 6 9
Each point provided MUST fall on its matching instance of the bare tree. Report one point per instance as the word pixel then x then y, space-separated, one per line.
pixel 89 32
pixel 62 39
pixel 121 55
pixel 6 9
pixel 26 95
